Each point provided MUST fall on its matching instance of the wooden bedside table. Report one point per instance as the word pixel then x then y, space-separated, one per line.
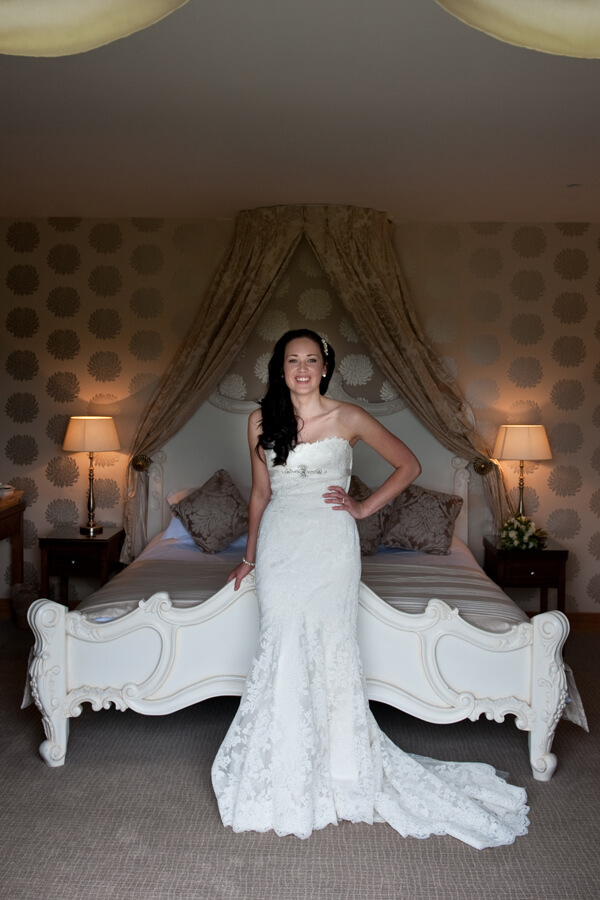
pixel 65 552
pixel 528 568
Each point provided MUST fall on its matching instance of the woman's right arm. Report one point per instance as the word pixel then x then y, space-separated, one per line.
pixel 259 498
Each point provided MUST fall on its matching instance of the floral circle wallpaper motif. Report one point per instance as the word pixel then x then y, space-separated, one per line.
pixel 565 481
pixel 62 471
pixel 63 343
pixel 105 324
pixel 141 381
pixel 64 259
pixel 524 412
pixel 22 322
pixel 107 493
pixel 57 428
pixel 570 308
pixel 148 224
pixel 22 365
pixel 62 512
pixel 105 281
pixel 526 329
pixel 22 407
pixel 571 264
pixel 64 223
pixel 21 449
pixel 567 437
pixel 63 387
pixel 104 365
pixel 63 302
pixel 568 351
pixel 564 523
pixel 106 237
pixel 528 285
pixel 23 237
pixel 567 394
pixel 525 371
pixel 95 309
pixel 594 545
pixel 529 241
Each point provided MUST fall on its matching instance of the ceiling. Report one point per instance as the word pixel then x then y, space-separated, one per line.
pixel 225 105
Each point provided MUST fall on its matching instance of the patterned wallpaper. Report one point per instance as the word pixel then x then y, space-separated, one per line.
pixel 514 312
pixel 93 311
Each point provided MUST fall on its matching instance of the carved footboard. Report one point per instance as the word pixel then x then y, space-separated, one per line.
pixel 155 660
pixel 158 659
pixel 440 668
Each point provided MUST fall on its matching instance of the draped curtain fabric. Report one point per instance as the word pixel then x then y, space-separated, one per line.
pixel 354 248
pixel 263 244
pixel 65 27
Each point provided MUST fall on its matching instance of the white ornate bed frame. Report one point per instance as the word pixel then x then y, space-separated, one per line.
pixel 159 659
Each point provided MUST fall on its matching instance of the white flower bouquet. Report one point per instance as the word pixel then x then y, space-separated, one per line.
pixel 520 533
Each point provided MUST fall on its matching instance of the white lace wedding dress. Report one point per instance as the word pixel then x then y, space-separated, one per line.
pixel 304 750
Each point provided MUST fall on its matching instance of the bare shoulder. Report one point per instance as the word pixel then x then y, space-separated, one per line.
pixel 364 427
pixel 254 420
pixel 354 420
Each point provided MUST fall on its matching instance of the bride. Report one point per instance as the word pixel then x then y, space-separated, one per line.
pixel 304 750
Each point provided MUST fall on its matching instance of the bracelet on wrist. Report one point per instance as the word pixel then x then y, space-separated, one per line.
pixel 247 561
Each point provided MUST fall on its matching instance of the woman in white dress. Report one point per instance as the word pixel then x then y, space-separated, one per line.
pixel 304 750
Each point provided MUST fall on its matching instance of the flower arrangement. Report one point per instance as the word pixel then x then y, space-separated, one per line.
pixel 520 533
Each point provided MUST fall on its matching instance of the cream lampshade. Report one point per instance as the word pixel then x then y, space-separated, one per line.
pixel 91 434
pixel 522 442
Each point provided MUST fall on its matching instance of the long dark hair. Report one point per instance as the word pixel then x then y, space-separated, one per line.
pixel 279 423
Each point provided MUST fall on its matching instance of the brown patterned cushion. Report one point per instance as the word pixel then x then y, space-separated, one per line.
pixel 214 514
pixel 370 530
pixel 422 520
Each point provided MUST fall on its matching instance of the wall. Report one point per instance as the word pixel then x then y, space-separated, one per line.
pixel 514 311
pixel 94 310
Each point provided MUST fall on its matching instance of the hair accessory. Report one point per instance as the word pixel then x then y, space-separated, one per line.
pixel 247 561
pixel 325 347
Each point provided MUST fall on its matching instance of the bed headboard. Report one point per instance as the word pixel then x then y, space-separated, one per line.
pixel 215 439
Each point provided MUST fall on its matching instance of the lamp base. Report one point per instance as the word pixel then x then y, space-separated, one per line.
pixel 91 530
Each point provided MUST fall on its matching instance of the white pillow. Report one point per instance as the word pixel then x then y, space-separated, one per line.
pixel 175 530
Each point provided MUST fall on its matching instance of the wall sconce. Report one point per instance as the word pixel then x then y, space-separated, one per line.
pixel 91 434
pixel 522 442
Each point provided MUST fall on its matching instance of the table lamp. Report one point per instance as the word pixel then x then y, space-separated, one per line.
pixel 91 434
pixel 522 442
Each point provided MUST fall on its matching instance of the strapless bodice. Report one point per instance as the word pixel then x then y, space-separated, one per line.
pixel 311 468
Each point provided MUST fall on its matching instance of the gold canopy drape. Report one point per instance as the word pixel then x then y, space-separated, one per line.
pixel 354 248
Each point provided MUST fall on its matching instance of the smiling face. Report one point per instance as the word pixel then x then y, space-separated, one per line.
pixel 303 366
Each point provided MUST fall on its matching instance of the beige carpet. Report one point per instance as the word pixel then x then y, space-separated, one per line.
pixel 132 815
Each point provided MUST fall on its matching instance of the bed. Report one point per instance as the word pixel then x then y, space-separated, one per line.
pixel 438 639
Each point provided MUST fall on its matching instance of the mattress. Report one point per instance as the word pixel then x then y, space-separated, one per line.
pixel 405 579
